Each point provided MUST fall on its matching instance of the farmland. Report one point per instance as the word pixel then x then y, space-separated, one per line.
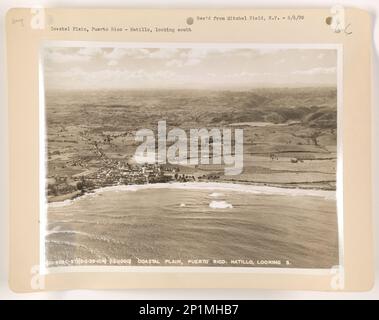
pixel 290 136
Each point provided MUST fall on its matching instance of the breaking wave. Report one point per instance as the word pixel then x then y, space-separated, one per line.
pixel 212 186
pixel 220 205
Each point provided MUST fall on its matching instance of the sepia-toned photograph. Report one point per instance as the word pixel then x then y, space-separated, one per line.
pixel 190 156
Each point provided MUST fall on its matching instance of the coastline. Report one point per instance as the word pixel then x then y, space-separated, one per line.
pixel 65 197
pixel 211 186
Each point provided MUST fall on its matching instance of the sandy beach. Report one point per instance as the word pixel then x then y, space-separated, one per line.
pixel 190 221
pixel 250 189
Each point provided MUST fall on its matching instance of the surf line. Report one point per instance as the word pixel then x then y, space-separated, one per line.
pixel 179 153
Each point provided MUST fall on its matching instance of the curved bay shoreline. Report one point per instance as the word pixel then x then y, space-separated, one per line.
pixel 211 186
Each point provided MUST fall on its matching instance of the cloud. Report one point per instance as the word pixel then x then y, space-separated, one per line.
pixel 183 62
pixel 112 63
pixel 90 51
pixel 65 57
pixel 164 54
pixel 245 74
pixel 140 53
pixel 170 57
pixel 116 54
pixel 173 67
pixel 191 57
pixel 174 63
pixel 316 71
pixel 109 78
pixel 266 51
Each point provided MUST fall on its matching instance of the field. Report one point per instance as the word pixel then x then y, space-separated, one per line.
pixel 289 136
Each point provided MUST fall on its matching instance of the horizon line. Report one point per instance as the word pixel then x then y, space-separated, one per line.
pixel 194 89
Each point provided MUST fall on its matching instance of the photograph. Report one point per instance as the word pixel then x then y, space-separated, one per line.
pixel 215 156
pixel 189 157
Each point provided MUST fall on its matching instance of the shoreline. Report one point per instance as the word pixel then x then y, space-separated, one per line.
pixel 211 186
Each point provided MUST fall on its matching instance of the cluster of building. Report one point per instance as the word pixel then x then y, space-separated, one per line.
pixel 120 173
pixel 103 171
pixel 115 173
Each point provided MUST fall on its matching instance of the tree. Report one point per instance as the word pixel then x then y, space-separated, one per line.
pixel 79 186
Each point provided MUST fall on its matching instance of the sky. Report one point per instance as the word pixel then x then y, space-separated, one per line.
pixel 75 68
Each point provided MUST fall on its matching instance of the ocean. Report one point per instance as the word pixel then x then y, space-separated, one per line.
pixel 194 224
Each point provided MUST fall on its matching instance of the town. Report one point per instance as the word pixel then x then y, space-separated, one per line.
pixel 112 173
pixel 99 170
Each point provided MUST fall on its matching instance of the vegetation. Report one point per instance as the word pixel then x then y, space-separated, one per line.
pixel 289 135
